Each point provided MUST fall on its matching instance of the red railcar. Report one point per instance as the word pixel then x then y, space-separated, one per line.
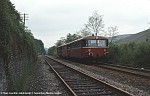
pixel 87 48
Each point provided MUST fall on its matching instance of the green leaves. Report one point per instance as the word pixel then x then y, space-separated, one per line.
pixel 131 54
pixel 16 42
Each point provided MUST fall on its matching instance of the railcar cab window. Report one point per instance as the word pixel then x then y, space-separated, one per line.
pixel 92 43
pixel 96 43
pixel 101 43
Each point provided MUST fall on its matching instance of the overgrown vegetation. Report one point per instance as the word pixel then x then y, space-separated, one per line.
pixel 15 40
pixel 22 80
pixel 131 54
pixel 52 51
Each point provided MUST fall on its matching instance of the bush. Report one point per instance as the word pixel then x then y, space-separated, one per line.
pixel 131 54
pixel 142 55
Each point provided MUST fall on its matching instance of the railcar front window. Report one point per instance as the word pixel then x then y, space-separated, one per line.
pixel 92 43
pixel 96 43
pixel 101 43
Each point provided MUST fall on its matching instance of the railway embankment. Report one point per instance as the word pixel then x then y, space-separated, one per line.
pixel 14 76
pixel 31 78
pixel 18 49
pixel 3 84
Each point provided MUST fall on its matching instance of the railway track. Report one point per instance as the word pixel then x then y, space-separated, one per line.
pixel 130 70
pixel 81 84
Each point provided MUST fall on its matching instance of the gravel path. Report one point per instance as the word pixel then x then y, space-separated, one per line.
pixel 44 81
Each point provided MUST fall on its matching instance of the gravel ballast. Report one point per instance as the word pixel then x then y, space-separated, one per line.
pixel 135 85
pixel 44 82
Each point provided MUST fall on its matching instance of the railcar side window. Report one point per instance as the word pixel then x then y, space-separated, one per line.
pixel 75 45
pixel 83 43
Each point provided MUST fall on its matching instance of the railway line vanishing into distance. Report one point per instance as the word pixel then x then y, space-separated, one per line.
pixel 79 83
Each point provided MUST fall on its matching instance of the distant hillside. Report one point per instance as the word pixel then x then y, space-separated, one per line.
pixel 119 37
pixel 138 37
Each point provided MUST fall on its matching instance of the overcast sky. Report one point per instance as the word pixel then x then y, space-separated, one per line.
pixel 51 19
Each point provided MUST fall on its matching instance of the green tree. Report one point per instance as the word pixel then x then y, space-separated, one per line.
pixel 61 41
pixel 142 54
pixel 52 50
pixel 84 33
pixel 131 54
pixel 73 37
pixel 39 46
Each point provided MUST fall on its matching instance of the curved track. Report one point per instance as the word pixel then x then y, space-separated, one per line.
pixel 81 84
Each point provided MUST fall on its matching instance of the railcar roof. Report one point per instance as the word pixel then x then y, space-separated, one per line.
pixel 93 37
pixel 85 38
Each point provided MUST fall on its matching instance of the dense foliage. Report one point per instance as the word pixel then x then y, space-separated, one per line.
pixel 52 50
pixel 39 47
pixel 70 37
pixel 131 54
pixel 15 40
pixel 13 35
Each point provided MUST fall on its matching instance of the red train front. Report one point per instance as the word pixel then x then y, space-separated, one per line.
pixel 92 48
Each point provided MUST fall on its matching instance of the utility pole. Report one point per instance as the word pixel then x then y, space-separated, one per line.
pixel 24 18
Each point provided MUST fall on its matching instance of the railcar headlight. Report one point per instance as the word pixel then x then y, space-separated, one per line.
pixel 89 50
pixel 104 49
pixel 90 53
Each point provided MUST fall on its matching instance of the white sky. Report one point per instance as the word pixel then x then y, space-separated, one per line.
pixel 51 19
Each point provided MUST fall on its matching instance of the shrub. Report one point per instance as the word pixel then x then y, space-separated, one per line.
pixel 131 54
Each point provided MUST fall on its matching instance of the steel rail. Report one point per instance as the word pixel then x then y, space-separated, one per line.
pixel 67 86
pixel 108 85
pixel 127 67
pixel 130 70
